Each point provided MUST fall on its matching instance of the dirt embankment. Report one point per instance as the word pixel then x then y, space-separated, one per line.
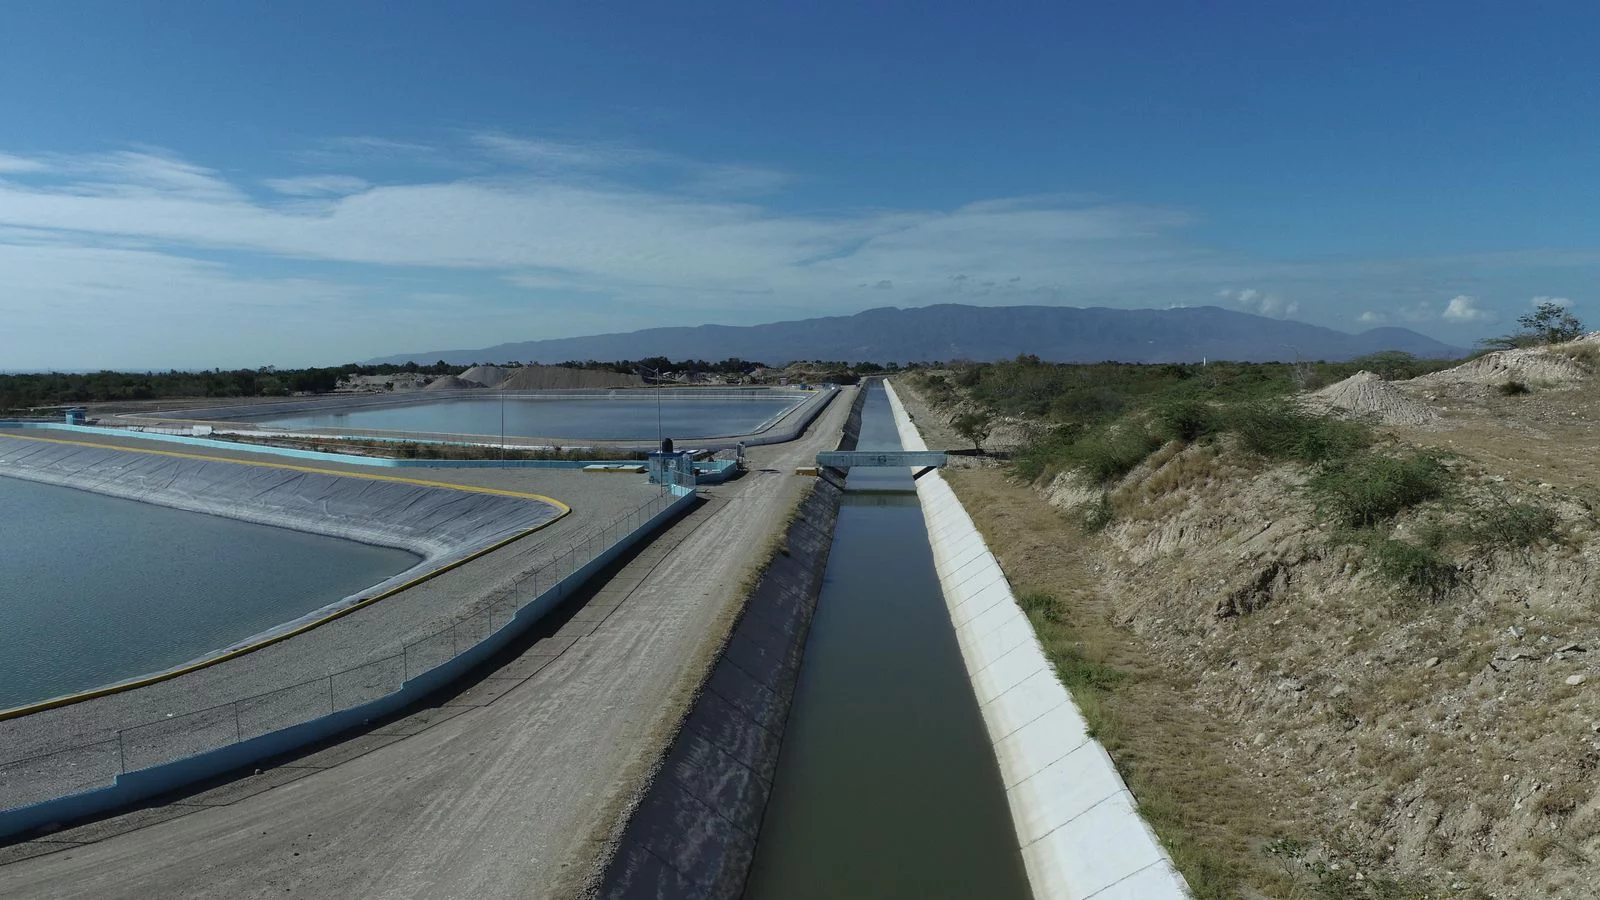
pixel 1308 727
pixel 540 378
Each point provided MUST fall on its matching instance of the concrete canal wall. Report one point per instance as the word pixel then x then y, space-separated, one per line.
pixel 1078 826
pixel 694 832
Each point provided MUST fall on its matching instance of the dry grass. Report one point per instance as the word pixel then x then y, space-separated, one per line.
pixel 1207 813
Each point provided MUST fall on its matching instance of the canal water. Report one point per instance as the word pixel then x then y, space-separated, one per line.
pixel 618 418
pixel 97 589
pixel 887 786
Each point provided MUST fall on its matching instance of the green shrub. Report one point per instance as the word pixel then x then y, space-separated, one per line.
pixel 1514 525
pixel 1041 604
pixel 1513 388
pixel 1045 453
pixel 1185 419
pixel 1422 569
pixel 1080 673
pixel 1099 515
pixel 1281 430
pixel 1106 454
pixel 1366 488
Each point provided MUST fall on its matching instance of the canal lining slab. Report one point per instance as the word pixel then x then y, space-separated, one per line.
pixel 1078 827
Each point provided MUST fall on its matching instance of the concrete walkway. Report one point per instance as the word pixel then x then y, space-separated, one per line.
pixel 506 790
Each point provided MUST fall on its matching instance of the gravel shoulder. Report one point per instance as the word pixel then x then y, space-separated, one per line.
pixel 496 792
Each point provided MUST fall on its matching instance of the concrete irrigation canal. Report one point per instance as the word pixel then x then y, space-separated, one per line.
pixel 836 749
pixel 887 786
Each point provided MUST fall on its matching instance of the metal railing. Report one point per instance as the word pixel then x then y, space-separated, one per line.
pixel 97 762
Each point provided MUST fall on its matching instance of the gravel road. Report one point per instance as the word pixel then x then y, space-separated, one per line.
pixel 499 791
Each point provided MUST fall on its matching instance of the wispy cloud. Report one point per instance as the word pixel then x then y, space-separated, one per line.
pixel 16 165
pixel 532 223
pixel 318 185
pixel 1262 303
pixel 1543 299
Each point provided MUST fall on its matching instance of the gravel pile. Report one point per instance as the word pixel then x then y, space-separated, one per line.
pixel 488 376
pixel 1367 396
pixel 1540 365
pixel 451 383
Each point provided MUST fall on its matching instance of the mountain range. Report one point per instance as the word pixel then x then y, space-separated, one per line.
pixel 980 333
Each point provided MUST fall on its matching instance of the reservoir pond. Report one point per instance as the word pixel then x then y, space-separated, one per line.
pixel 617 418
pixel 97 589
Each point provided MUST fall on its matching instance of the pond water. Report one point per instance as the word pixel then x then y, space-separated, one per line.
pixel 887 786
pixel 97 589
pixel 620 417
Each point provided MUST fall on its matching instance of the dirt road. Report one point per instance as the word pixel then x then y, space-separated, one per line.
pixel 498 793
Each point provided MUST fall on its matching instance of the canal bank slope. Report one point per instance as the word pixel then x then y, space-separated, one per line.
pixel 1079 827
pixel 694 831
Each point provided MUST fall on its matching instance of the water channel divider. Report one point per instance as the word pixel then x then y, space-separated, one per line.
pixel 158 757
pixel 1077 824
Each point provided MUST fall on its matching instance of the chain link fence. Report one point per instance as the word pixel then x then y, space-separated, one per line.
pixel 93 764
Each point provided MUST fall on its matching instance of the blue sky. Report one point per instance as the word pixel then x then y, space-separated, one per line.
pixel 310 183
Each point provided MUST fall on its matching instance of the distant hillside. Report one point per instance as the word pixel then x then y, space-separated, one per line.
pixel 950 331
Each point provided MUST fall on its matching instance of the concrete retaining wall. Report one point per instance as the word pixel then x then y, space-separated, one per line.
pixel 694 832
pixel 1078 826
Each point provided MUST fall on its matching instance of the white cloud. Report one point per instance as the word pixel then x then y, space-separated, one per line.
pixel 318 185
pixel 1463 308
pixel 1261 303
pixel 577 232
pixel 18 165
pixel 1368 317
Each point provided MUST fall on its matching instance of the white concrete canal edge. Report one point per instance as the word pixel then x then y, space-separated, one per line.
pixel 1078 826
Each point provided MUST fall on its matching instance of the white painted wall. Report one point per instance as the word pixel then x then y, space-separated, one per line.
pixel 1078 826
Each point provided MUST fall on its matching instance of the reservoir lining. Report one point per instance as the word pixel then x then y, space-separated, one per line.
pixel 81 571
pixel 367 633
pixel 599 417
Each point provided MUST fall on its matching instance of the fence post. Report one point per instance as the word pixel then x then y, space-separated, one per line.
pixel 238 732
pixel 122 755
pixel 330 695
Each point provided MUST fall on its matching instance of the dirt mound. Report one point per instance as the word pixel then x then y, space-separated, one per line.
pixel 1548 365
pixel 488 376
pixel 451 383
pixel 544 378
pixel 1368 396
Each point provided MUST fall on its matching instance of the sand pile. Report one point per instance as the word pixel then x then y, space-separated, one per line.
pixel 1367 396
pixel 1528 366
pixel 488 376
pixel 544 378
pixel 451 383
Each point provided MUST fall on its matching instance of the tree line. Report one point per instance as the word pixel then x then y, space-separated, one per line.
pixel 31 390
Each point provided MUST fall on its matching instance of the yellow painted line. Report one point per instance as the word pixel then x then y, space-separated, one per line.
pixel 58 702
pixel 293 468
